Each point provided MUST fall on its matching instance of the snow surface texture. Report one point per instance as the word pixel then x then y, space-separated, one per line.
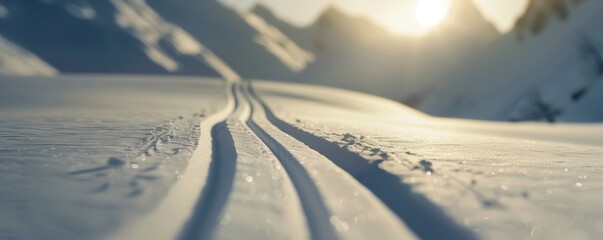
pixel 86 157
pixel 489 178
pixel 187 158
pixel 82 155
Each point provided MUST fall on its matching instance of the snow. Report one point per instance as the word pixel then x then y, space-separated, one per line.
pixel 15 60
pixel 494 179
pixel 153 31
pixel 251 47
pixel 129 157
pixel 351 209
pixel 81 155
pixel 293 56
pixel 463 68
pixel 149 157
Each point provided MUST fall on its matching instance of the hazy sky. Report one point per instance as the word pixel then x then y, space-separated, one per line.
pixel 397 15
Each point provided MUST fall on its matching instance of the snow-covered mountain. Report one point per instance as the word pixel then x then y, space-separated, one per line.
pixel 548 68
pixel 169 37
pixel 545 69
pixel 149 37
pixel 75 38
pixel 250 46
pixel 355 53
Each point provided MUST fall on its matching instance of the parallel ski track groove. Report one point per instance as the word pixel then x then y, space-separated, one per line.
pixel 177 214
pixel 317 214
pixel 212 201
pixel 423 217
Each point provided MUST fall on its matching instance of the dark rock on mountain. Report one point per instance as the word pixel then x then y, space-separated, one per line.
pixel 540 12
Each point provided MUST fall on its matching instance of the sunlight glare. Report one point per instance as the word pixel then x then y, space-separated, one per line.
pixel 430 13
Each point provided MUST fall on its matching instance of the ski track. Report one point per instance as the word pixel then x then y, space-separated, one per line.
pixel 207 211
pixel 169 220
pixel 240 200
pixel 255 175
pixel 355 212
pixel 316 212
pixel 415 210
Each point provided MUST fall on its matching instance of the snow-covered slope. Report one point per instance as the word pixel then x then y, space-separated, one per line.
pixel 495 180
pixel 548 68
pixel 15 60
pixel 163 158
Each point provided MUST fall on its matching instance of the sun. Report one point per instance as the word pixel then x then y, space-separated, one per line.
pixel 430 13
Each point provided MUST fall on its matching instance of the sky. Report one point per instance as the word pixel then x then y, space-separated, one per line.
pixel 399 16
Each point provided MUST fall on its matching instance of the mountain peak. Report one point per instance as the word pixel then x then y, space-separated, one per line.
pixel 340 20
pixel 331 13
pixel 262 11
pixel 466 9
pixel 465 19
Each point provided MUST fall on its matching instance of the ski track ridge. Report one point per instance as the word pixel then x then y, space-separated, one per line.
pixel 315 210
pixel 180 208
pixel 418 212
pixel 213 198
pixel 208 210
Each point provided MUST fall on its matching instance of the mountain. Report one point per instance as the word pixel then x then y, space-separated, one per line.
pixel 356 53
pixel 72 44
pixel 450 48
pixel 149 37
pixel 250 46
pixel 465 20
pixel 302 36
pixel 549 75
pixel 181 37
pixel 462 68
